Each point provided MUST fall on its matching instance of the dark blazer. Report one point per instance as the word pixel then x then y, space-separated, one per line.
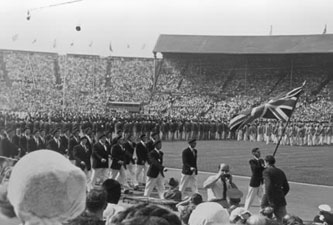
pixel 156 164
pixel 257 167
pixel 64 143
pixel 32 145
pixel 23 145
pixel 141 154
pixel 16 140
pixel 129 151
pixel 117 154
pixel 80 154
pixel 99 153
pixel 276 187
pixel 189 160
pixel 53 145
pixel 71 145
pixel 7 148
pixel 150 145
pixel 42 143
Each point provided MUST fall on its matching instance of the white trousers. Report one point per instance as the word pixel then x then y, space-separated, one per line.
pixel 141 174
pixel 188 181
pixel 253 192
pixel 120 176
pixel 99 175
pixel 157 182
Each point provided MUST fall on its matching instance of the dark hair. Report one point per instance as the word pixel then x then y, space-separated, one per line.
pixel 254 150
pixel 96 200
pixel 113 190
pixel 270 159
pixel 146 214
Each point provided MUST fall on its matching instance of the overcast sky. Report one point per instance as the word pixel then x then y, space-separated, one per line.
pixel 133 26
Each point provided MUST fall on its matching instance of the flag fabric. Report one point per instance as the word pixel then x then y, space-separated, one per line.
pixel 34 41
pixel 110 47
pixel 325 29
pixel 15 37
pixel 91 43
pixel 55 43
pixel 72 44
pixel 279 108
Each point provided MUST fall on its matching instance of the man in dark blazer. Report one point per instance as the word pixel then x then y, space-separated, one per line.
pixel 141 162
pixel 150 144
pixel 129 147
pixel 255 189
pixel 55 143
pixel 276 188
pixel 33 142
pixel 100 160
pixel 118 167
pixel 155 174
pixel 73 141
pixel 82 154
pixel 190 170
pixel 7 148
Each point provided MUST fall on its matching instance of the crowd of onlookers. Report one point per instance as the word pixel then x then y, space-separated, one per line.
pixel 48 83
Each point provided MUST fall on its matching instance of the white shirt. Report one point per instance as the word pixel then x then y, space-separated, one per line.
pixel 215 191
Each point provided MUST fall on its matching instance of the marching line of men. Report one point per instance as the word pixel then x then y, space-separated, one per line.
pixel 99 155
pixel 300 134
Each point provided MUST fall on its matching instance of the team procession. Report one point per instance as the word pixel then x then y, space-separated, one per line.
pixel 125 126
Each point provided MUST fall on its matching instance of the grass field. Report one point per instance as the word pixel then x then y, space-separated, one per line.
pixel 311 165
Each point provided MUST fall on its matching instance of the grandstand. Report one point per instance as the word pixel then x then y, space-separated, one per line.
pixel 210 77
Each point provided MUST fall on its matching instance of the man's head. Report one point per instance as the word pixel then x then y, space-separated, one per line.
pixel 27 131
pixel 102 138
pixel 269 160
pixel 192 143
pixel 18 131
pixel 56 133
pixel 113 190
pixel 83 140
pixel 256 152
pixel 158 145
pixel 96 200
pixel 143 137
pixel 155 136
pixel 224 168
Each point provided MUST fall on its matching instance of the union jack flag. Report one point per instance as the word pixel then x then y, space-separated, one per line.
pixel 280 108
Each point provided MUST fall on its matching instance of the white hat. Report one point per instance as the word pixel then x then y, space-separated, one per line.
pixel 324 207
pixel 239 211
pixel 46 188
pixel 209 213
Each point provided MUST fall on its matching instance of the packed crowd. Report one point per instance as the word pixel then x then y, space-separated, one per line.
pixel 79 84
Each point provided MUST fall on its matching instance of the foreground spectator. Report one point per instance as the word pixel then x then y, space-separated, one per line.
pixel 187 206
pixel 146 214
pixel 95 205
pixel 173 193
pixel 113 193
pixel 209 213
pixel 45 188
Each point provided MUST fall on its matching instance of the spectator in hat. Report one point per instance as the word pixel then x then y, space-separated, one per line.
pixel 44 188
pixel 325 215
pixel 190 169
pixel 276 188
pixel 173 193
pixel 141 152
pixel 113 193
pixel 82 156
pixel 100 160
pixel 255 189
pixel 155 173
pixel 209 213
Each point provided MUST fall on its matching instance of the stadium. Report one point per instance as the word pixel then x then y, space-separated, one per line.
pixel 191 88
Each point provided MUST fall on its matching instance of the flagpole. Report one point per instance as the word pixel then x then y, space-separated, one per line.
pixel 285 127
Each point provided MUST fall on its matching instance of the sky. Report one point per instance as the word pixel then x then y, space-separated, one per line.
pixel 132 27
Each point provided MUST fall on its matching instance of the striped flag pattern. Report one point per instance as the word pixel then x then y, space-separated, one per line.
pixel 279 108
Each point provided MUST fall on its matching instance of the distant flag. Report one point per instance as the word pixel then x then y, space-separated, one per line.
pixel 280 108
pixel 15 37
pixel 34 41
pixel 91 43
pixel 128 46
pixel 72 44
pixel 55 43
pixel 325 29
pixel 271 30
pixel 143 46
pixel 110 47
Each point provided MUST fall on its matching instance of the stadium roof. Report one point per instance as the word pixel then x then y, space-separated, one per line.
pixel 198 44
